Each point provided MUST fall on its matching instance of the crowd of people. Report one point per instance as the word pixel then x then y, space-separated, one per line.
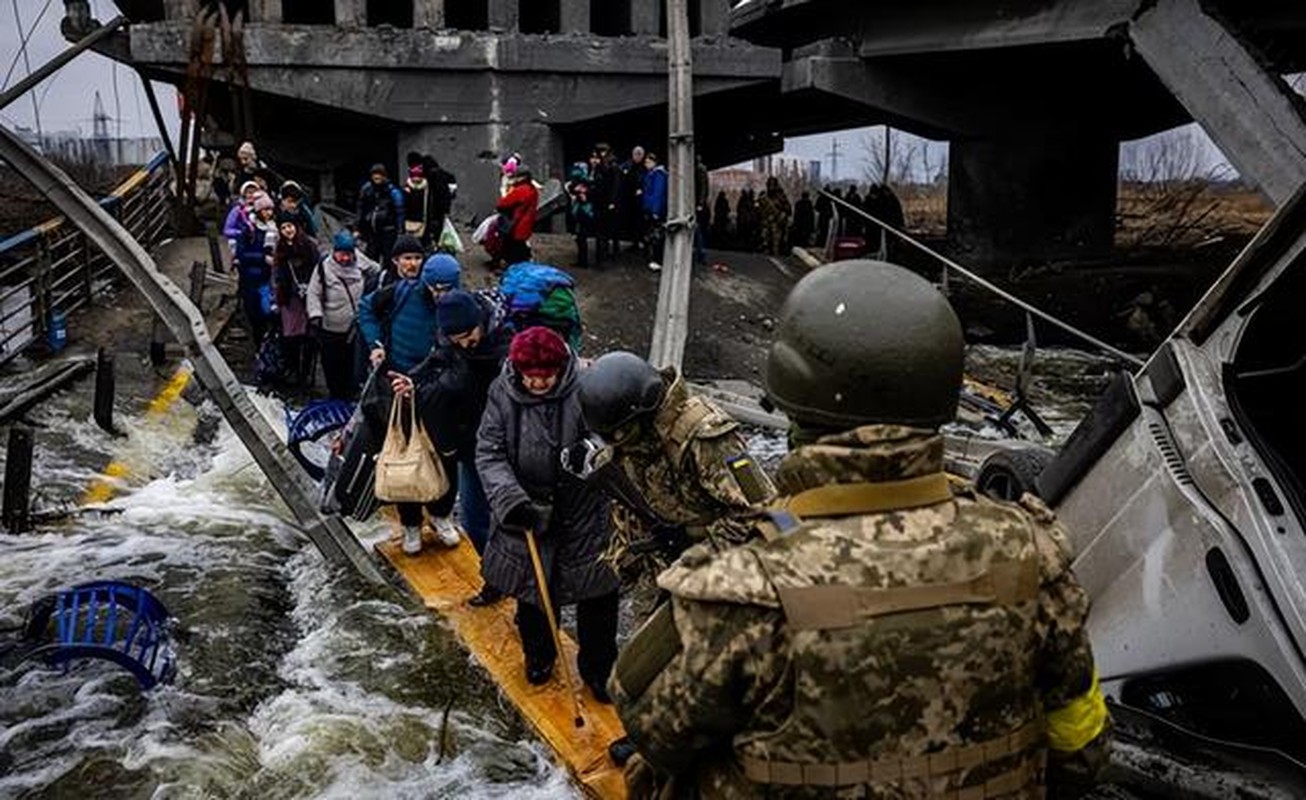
pixel 853 624
pixel 767 222
pixel 614 201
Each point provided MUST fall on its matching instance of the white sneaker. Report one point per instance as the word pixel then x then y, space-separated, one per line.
pixel 412 541
pixel 655 266
pixel 446 532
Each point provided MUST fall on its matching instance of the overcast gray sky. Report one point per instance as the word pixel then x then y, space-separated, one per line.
pixel 66 101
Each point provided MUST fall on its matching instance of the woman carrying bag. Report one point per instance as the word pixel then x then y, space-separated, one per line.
pixel 412 471
pixel 532 414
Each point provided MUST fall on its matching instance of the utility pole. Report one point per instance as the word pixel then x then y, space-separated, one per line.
pixel 834 161
pixel 888 148
pixel 671 326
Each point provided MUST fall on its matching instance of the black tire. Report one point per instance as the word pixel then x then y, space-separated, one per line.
pixel 1008 474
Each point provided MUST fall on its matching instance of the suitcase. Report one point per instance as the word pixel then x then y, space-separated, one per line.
pixel 349 482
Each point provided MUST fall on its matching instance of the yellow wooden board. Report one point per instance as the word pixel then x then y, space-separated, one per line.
pixel 445 579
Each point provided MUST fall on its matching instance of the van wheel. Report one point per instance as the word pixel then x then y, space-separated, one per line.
pixel 1008 474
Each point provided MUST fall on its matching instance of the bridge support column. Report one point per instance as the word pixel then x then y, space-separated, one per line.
pixel 265 11
pixel 1054 189
pixel 644 18
pixel 503 15
pixel 428 14
pixel 351 13
pixel 180 10
pixel 576 16
pixel 472 153
pixel 713 19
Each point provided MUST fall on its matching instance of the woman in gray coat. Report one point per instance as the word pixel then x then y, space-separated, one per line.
pixel 532 414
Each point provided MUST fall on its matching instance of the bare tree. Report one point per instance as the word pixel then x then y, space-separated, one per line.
pixel 1166 195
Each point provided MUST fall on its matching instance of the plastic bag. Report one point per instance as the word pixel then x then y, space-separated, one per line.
pixel 449 241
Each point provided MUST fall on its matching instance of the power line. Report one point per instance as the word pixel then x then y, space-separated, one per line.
pixel 27 64
pixel 23 37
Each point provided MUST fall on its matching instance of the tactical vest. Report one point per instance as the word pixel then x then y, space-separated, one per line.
pixel 680 421
pixel 913 660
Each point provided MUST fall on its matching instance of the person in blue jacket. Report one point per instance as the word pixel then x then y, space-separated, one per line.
pixel 399 322
pixel 655 208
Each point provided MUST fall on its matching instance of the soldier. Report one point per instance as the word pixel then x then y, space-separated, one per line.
pixel 674 462
pixel 893 636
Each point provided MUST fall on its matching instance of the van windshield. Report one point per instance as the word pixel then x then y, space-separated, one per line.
pixel 1266 383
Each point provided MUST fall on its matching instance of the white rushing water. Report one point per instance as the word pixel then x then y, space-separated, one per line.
pixel 293 681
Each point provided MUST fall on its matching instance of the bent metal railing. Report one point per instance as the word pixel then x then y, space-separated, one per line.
pixel 54 267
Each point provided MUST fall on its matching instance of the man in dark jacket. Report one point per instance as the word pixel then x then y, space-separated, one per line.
pixel 380 213
pixel 454 382
pixel 800 234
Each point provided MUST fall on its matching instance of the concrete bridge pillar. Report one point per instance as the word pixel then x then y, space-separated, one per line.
pixel 576 16
pixel 503 15
pixel 268 11
pixel 428 14
pixel 1032 197
pixel 180 10
pixel 714 15
pixel 472 153
pixel 351 13
pixel 644 17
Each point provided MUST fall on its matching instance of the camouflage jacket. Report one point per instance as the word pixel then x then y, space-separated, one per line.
pixel 827 660
pixel 692 469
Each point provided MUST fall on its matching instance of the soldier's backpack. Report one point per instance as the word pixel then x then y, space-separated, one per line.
pixel 539 294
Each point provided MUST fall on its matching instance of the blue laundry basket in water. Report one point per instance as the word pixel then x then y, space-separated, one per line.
pixel 106 620
pixel 316 420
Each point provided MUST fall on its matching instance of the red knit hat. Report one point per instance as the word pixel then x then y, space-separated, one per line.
pixel 538 350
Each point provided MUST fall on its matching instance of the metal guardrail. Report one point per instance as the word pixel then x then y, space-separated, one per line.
pixel 54 266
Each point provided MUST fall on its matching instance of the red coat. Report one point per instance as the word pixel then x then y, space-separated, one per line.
pixel 520 205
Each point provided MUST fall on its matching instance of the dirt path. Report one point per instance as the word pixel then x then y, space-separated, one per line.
pixel 732 308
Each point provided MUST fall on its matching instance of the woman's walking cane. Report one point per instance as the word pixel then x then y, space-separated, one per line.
pixel 570 680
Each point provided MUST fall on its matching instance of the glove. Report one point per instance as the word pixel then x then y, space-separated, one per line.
pixel 315 326
pixel 523 516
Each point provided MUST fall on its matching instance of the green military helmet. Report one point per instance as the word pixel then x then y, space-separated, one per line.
pixel 862 342
pixel 618 388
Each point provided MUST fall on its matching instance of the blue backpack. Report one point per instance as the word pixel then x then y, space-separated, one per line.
pixel 538 294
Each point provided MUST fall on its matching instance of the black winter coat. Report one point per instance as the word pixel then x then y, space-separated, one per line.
pixel 453 384
pixel 518 457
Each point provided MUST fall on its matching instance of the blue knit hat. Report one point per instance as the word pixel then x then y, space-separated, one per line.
pixel 442 270
pixel 343 240
pixel 458 312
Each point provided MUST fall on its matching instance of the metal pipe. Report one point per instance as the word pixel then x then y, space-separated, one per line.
pixel 1005 295
pixel 158 116
pixel 18 480
pixel 50 67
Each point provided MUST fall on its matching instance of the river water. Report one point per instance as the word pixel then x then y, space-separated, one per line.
pixel 292 682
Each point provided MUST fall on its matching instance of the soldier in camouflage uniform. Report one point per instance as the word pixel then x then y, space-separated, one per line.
pixel 893 636
pixel 677 466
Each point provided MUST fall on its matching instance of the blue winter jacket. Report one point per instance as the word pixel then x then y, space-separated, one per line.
pixel 655 192
pixel 401 317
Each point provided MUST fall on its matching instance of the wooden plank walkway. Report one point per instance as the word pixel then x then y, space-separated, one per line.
pixel 446 579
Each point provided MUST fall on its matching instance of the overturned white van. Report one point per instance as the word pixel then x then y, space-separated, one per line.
pixel 1184 492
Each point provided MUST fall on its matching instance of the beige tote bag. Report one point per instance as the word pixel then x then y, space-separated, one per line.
pixel 407 469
